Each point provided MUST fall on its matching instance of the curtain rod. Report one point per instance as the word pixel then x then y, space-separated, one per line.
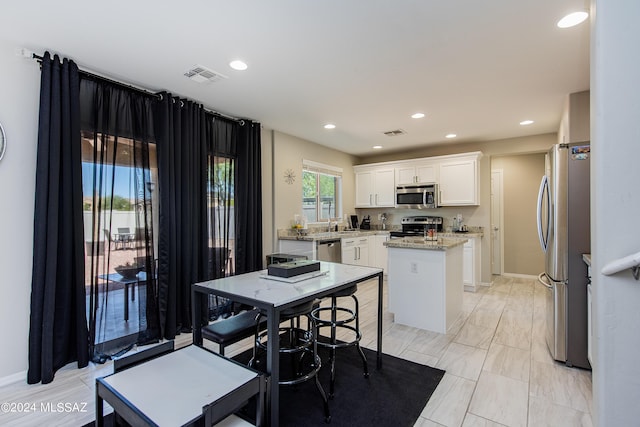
pixel 145 92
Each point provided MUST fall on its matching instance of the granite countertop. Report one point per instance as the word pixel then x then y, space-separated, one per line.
pixel 441 244
pixel 461 235
pixel 328 235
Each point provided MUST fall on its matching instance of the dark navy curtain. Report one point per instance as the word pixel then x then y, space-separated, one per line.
pixel 248 199
pixel 58 326
pixel 182 246
pixel 188 137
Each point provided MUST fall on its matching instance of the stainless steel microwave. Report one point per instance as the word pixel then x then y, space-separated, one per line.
pixel 421 196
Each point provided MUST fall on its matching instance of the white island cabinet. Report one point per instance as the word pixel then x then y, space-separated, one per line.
pixel 425 282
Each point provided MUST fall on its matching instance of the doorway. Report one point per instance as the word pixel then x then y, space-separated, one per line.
pixel 497 215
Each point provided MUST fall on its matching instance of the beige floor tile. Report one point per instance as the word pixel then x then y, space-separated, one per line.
pixel 508 361
pixel 448 404
pixel 463 361
pixel 514 329
pixel 491 396
pixel 484 317
pixel 423 422
pixel 430 343
pixel 475 421
pixel 475 336
pixel 421 358
pixel 545 414
pixel 561 385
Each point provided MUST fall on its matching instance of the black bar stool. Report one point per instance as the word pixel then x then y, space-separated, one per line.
pixel 334 323
pixel 295 343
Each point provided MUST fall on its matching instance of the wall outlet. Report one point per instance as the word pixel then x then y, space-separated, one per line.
pixel 414 267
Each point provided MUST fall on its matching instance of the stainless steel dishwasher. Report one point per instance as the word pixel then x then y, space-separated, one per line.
pixel 329 250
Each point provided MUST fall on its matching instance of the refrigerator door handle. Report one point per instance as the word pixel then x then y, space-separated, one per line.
pixel 542 279
pixel 543 235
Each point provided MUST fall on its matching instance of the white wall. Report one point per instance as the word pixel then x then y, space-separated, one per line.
pixel 20 88
pixel 281 200
pixel 615 208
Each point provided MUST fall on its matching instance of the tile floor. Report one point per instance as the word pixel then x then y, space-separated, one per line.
pixel 498 369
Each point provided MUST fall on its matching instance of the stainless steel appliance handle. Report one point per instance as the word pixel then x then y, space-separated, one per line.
pixel 542 279
pixel 424 197
pixel 543 186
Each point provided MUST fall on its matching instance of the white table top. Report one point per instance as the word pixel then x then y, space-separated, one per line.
pixel 202 378
pixel 276 293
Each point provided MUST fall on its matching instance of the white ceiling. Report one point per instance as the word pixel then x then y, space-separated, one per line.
pixel 474 67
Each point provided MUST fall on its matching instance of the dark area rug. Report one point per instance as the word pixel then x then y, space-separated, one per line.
pixel 393 396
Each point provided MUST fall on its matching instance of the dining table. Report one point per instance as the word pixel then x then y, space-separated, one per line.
pixel 272 295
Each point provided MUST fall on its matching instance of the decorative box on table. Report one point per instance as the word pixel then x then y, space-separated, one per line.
pixel 293 268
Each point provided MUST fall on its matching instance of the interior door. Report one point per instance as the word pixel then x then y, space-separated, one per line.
pixel 497 237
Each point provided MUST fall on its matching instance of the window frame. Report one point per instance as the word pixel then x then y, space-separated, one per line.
pixel 309 166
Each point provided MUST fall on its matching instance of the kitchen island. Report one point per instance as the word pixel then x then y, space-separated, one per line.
pixel 425 282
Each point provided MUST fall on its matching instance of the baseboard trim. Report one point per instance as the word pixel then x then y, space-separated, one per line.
pixel 520 276
pixel 14 378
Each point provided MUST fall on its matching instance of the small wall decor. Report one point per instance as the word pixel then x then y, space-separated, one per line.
pixel 3 141
pixel 289 176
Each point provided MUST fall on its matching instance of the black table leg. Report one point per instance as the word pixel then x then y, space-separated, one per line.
pixel 380 295
pixel 273 366
pixel 196 314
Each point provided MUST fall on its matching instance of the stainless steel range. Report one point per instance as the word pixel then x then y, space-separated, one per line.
pixel 416 226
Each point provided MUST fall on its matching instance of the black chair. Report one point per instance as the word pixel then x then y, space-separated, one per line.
pixel 234 328
pixel 112 243
pixel 220 262
pixel 142 356
pixel 333 323
pixel 295 343
pixel 124 236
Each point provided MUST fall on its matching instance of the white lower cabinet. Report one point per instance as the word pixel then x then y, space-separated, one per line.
pixel 355 250
pixel 378 252
pixel 471 264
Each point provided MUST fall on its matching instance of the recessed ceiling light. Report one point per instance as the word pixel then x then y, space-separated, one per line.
pixel 329 126
pixel 238 65
pixel 573 19
pixel 377 147
pixel 526 122
pixel 417 115
pixel 450 135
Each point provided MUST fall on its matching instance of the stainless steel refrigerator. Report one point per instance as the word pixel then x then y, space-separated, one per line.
pixel 564 232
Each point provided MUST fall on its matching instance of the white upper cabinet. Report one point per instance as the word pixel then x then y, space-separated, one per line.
pixel 459 181
pixel 375 188
pixel 417 173
pixel 458 177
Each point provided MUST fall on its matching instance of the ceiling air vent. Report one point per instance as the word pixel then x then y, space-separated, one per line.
pixel 395 132
pixel 202 74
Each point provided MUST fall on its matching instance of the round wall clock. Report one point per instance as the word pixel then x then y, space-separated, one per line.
pixel 289 176
pixel 3 141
